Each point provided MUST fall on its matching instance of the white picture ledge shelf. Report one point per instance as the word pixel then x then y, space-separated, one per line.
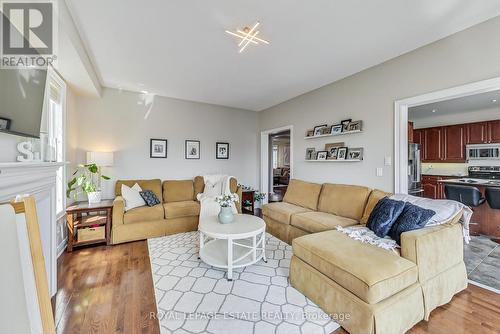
pixel 341 160
pixel 334 134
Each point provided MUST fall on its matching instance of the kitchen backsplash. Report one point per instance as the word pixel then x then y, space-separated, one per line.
pixel 445 169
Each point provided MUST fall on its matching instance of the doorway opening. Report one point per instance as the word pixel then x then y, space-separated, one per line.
pixel 276 162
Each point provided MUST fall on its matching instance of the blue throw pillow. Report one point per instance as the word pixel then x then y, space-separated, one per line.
pixel 149 197
pixel 412 218
pixel 384 215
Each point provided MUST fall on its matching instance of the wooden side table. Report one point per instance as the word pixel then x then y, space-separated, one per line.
pixel 87 222
pixel 247 195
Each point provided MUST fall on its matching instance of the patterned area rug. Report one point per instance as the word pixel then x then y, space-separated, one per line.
pixel 193 297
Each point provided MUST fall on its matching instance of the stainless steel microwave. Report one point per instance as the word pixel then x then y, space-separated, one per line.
pixel 483 152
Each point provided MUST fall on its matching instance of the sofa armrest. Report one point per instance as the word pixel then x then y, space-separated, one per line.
pixel 118 210
pixel 433 249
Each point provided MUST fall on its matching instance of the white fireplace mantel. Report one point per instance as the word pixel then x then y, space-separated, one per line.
pixel 37 179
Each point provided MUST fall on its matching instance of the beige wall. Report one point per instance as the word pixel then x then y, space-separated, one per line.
pixel 465 57
pixel 116 122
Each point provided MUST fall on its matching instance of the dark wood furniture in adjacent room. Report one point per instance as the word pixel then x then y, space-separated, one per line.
pixel 247 201
pixel 447 143
pixel 89 224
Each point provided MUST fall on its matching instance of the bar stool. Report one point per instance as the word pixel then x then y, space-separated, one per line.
pixel 470 196
pixel 493 199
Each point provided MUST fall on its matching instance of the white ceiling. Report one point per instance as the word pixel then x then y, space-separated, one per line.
pixel 179 48
pixel 456 106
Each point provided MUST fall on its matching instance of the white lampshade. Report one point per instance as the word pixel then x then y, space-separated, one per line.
pixel 100 158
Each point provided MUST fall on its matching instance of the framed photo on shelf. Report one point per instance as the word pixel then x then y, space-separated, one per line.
pixel 222 150
pixel 192 150
pixel 310 153
pixel 158 148
pixel 322 155
pixel 332 150
pixel 355 153
pixel 309 133
pixel 342 153
pixel 4 123
pixel 355 126
pixel 345 124
pixel 318 130
pixel 336 129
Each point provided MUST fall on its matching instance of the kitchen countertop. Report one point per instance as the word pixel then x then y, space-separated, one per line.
pixel 440 173
pixel 473 182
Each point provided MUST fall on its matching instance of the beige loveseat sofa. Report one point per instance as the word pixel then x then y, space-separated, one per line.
pixel 178 212
pixel 374 290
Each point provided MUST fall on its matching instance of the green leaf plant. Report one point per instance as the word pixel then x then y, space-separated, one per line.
pixel 85 179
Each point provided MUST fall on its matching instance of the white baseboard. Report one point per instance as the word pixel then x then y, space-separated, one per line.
pixel 484 286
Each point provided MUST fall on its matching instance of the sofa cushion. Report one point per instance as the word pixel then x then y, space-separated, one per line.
pixel 412 218
pixel 154 185
pixel 343 200
pixel 178 191
pixel 371 273
pixel 384 215
pixel 144 214
pixel 303 194
pixel 281 211
pixel 375 196
pixel 181 209
pixel 313 222
pixel 150 198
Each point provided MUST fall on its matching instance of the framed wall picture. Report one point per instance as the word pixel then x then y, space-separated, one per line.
pixel 311 153
pixel 4 123
pixel 342 153
pixel 309 133
pixel 354 126
pixel 355 153
pixel 336 129
pixel 318 130
pixel 345 124
pixel 332 150
pixel 192 150
pixel 158 148
pixel 322 155
pixel 222 150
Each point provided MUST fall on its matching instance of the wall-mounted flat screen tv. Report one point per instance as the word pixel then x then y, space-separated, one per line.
pixel 22 94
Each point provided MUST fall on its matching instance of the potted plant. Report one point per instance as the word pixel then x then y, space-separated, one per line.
pixel 226 215
pixel 87 178
pixel 258 197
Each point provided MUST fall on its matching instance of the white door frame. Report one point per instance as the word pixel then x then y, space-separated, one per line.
pixel 264 157
pixel 401 122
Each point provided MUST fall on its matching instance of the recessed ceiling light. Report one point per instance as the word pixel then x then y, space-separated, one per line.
pixel 494 100
pixel 248 36
pixel 434 110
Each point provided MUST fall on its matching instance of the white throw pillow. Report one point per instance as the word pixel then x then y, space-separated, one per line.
pixel 132 197
pixel 212 189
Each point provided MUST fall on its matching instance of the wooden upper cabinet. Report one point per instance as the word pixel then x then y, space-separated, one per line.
pixel 410 132
pixel 418 138
pixel 477 133
pixel 494 131
pixel 433 144
pixel 454 143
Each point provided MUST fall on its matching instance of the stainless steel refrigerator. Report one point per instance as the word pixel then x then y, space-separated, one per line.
pixel 414 170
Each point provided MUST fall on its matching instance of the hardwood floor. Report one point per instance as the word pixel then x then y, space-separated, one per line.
pixel 109 289
pixel 106 289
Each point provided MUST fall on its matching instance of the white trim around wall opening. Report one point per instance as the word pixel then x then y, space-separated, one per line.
pixel 401 122
pixel 264 157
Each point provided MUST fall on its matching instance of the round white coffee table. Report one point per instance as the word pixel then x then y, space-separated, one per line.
pixel 235 245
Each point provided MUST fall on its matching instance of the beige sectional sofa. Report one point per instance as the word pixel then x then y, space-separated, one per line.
pixel 178 212
pixel 374 290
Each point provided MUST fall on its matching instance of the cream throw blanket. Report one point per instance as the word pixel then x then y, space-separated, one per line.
pixel 208 205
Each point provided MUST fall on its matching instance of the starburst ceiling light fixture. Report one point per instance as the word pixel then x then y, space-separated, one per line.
pixel 248 36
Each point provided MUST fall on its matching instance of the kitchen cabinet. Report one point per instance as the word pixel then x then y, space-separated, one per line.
pixel 433 144
pixel 418 138
pixel 494 131
pixel 454 143
pixel 430 186
pixel 410 132
pixel 477 133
